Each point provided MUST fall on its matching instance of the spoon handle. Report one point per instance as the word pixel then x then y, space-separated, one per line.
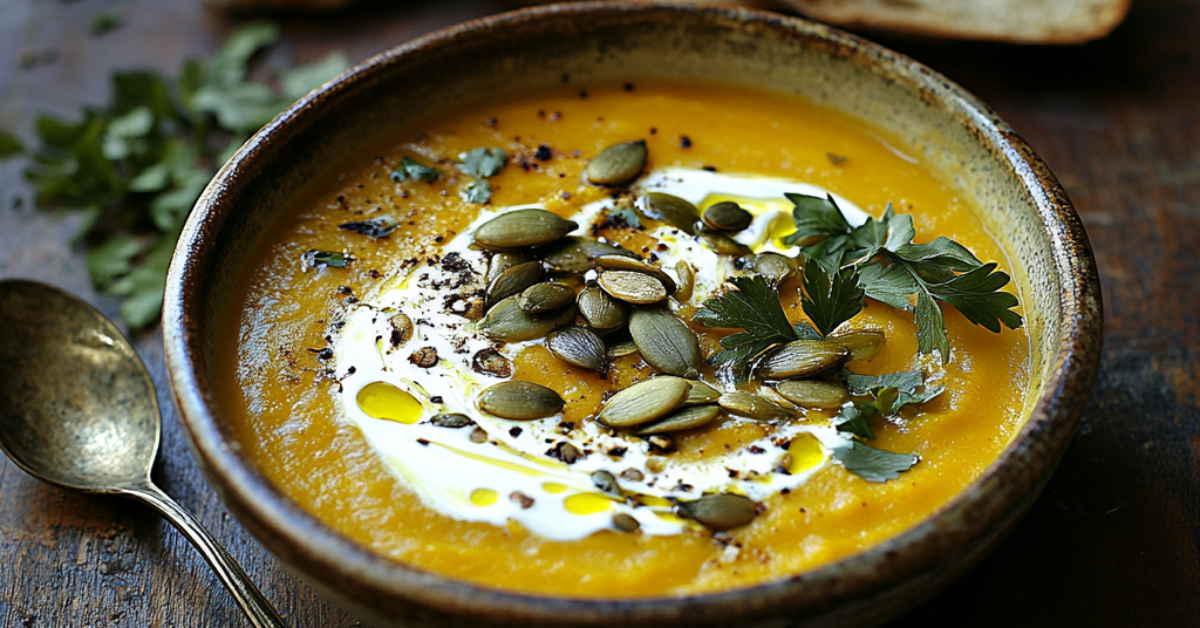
pixel 256 606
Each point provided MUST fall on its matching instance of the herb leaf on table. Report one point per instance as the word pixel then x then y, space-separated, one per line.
pixel 134 167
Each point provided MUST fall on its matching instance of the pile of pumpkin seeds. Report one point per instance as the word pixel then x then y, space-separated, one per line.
pixel 594 301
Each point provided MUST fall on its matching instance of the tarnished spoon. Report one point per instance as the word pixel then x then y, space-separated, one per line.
pixel 78 409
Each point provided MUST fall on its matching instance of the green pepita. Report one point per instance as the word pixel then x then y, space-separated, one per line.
pixel 578 346
pixel 674 211
pixel 665 342
pixel 778 269
pixel 632 287
pixel 863 344
pixel 727 216
pixel 645 401
pixel 687 282
pixel 753 406
pixel 814 393
pixel 722 243
pixel 685 419
pixel 574 254
pixel 545 297
pixel 618 164
pixel 506 321
pixel 802 358
pixel 606 482
pixel 513 280
pixel 701 394
pixel 721 512
pixel 600 310
pixel 522 228
pixel 452 420
pixel 520 401
pixel 614 262
pixel 502 261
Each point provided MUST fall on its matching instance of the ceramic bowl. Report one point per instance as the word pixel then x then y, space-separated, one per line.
pixel 1023 205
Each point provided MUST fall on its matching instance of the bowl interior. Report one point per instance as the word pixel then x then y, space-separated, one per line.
pixel 955 134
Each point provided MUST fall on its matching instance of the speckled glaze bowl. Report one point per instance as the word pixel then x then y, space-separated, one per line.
pixel 1023 205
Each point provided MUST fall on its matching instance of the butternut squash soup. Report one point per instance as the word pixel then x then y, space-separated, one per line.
pixel 627 340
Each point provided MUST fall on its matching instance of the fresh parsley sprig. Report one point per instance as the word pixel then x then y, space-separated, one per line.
pixel 878 259
pixel 751 305
pixel 877 395
pixel 135 167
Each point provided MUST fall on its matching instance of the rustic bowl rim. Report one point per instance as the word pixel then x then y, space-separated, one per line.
pixel 350 569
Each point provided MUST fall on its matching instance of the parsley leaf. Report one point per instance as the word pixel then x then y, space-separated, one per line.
pixel 753 306
pixel 322 259
pixel 410 168
pixel 477 192
pixel 871 464
pixel 829 301
pixel 482 163
pixel 885 265
pixel 134 167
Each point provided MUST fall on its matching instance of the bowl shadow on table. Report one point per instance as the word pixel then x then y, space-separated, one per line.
pixel 1087 547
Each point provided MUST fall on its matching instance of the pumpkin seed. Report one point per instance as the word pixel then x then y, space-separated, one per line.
pixel 687 282
pixel 618 163
pixel 802 358
pixel 478 436
pixel 578 346
pixel 520 401
pixel 770 394
pixel 625 522
pixel 600 310
pixel 545 297
pixel 665 342
pixel 505 321
pixel 722 243
pixel 504 260
pixel 614 262
pixel 606 482
pixel 574 254
pixel 753 406
pixel 863 344
pixel 620 348
pixel 672 210
pixel 402 329
pixel 452 420
pixel 633 475
pixel 701 393
pixel 632 287
pixel 521 228
pixel 721 512
pixel 513 280
pixel 775 267
pixel 814 393
pixel 645 401
pixel 490 362
pixel 685 419
pixel 727 216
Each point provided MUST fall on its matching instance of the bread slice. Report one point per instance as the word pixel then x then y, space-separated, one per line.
pixel 1014 21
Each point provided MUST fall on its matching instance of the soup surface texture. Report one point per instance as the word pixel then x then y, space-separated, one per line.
pixel 285 373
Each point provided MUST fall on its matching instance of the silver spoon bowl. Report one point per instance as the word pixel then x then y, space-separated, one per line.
pixel 78 409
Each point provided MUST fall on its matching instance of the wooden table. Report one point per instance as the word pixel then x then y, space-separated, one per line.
pixel 1115 539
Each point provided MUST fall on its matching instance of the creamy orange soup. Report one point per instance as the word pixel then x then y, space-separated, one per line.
pixel 280 394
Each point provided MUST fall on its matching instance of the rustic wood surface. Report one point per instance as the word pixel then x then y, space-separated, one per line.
pixel 1112 542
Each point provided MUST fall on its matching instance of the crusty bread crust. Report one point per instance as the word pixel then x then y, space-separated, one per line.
pixel 1013 21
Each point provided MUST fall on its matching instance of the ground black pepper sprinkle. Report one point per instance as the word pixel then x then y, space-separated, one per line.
pixel 543 153
pixel 685 141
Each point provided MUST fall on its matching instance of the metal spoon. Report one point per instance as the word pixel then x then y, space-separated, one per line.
pixel 78 409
